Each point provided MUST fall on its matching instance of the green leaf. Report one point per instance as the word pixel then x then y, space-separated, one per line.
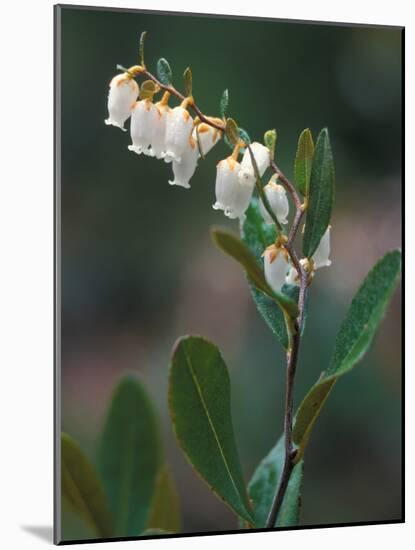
pixel 82 489
pixel 232 131
pixel 141 51
pixel 224 104
pixel 303 161
pixel 129 456
pixel 354 338
pixel 263 486
pixel 270 140
pixel 147 89
pixel 200 408
pixel 187 76
pixel 243 134
pixel 164 72
pixel 235 248
pixel 165 511
pixel 321 194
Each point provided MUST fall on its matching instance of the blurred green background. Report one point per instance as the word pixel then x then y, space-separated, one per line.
pixel 139 269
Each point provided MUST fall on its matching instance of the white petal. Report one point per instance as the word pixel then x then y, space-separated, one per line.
pixel 122 96
pixel 208 137
pixel 233 194
pixel 158 145
pixel 322 253
pixel 144 119
pixel 185 169
pixel 262 158
pixel 292 277
pixel 179 125
pixel 278 201
pixel 275 267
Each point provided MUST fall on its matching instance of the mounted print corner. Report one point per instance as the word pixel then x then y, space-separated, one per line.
pixel 228 247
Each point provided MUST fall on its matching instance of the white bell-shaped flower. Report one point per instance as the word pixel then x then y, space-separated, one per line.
pixel 122 96
pixel 261 156
pixel 179 126
pixel 144 120
pixel 322 253
pixel 233 194
pixel 278 201
pixel 208 136
pixel 158 145
pixel 185 169
pixel 293 277
pixel 320 259
pixel 275 266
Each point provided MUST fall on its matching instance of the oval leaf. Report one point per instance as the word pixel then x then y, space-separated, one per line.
pixel 164 72
pixel 354 338
pixel 303 161
pixel 165 511
pixel 200 408
pixel 224 104
pixel 243 134
pixel 263 487
pixel 141 50
pixel 270 140
pixel 148 89
pixel 321 194
pixel 232 131
pixel 235 248
pixel 129 457
pixel 82 488
pixel 188 82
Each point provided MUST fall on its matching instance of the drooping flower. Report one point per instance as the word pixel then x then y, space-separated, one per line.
pixel 278 201
pixel 185 169
pixel 144 120
pixel 208 136
pixel 122 96
pixel 322 253
pixel 158 145
pixel 261 156
pixel 293 277
pixel 275 266
pixel 320 259
pixel 179 126
pixel 233 193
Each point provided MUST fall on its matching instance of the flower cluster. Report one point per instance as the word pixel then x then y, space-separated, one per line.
pixel 279 271
pixel 159 131
pixel 171 134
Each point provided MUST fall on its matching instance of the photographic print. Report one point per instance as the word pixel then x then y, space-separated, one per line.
pixel 228 265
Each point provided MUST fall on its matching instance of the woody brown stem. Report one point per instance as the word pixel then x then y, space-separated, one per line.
pixel 292 354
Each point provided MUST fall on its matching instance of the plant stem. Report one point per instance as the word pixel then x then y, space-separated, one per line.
pixel 172 90
pixel 292 355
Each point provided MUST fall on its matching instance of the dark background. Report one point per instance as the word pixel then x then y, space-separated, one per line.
pixel 139 269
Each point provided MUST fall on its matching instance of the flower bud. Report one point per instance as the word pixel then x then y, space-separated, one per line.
pixel 208 136
pixel 158 145
pixel 179 125
pixel 261 156
pixel 185 169
pixel 278 201
pixel 122 96
pixel 233 194
pixel 322 253
pixel 144 120
pixel 275 266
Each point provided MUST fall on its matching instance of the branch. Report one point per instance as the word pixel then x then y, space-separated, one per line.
pixel 137 70
pixel 292 354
